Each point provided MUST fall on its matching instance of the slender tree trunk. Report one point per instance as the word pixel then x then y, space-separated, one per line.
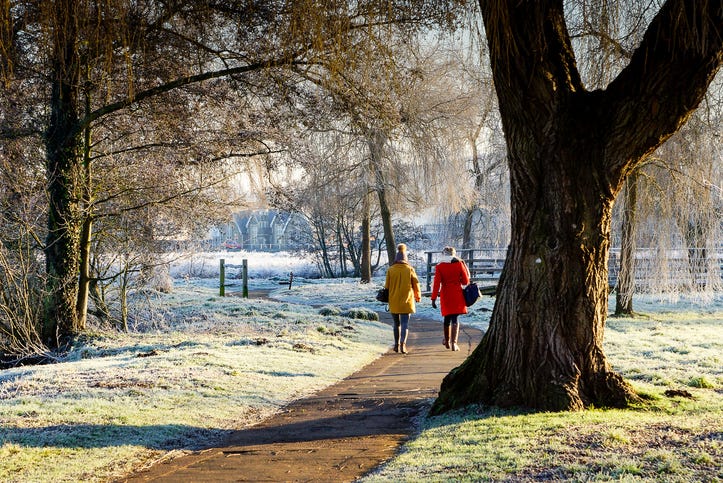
pixel 123 295
pixel 696 239
pixel 98 296
pixel 467 228
pixel 64 176
pixel 84 278
pixel 626 274
pixel 344 271
pixel 386 215
pixel 366 249
pixel 353 249
pixel 467 239
pixel 376 146
pixel 86 231
pixel 321 238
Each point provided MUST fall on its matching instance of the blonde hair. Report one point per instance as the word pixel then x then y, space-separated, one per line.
pixel 449 251
pixel 401 253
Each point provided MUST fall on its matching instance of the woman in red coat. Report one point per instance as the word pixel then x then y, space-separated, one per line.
pixel 449 278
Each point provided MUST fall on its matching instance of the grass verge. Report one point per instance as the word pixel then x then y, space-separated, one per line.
pixel 206 366
pixel 672 438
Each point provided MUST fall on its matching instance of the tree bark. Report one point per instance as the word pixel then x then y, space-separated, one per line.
pixel 467 241
pixel 64 175
pixel 569 152
pixel 467 227
pixel 86 230
pixel 366 249
pixel 626 274
pixel 376 145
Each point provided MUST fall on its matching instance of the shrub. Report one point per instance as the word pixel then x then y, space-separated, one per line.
pixel 329 310
pixel 361 313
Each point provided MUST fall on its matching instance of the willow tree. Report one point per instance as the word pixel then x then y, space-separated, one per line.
pixel 569 152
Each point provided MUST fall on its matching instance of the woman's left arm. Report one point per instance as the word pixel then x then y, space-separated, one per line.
pixel 415 287
pixel 465 277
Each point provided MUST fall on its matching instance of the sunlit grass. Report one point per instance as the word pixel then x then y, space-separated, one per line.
pixel 664 439
pixel 199 366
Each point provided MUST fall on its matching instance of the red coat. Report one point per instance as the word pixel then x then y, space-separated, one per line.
pixel 449 277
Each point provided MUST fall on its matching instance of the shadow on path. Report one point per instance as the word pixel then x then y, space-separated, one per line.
pixel 340 433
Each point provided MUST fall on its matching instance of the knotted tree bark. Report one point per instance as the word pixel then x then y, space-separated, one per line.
pixel 569 152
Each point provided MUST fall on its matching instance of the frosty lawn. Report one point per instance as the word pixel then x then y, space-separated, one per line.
pixel 207 365
pixel 121 401
pixel 671 346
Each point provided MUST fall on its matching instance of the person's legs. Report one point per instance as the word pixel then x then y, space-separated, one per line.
pixel 447 329
pixel 396 331
pixel 404 331
pixel 454 332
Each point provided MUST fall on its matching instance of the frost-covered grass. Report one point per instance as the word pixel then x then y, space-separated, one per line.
pixel 263 267
pixel 669 346
pixel 352 293
pixel 209 365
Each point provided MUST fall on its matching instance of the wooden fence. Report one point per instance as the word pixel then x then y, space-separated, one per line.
pixel 654 269
pixel 485 266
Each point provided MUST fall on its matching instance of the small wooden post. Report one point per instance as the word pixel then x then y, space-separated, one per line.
pixel 245 278
pixel 291 279
pixel 222 279
pixel 470 263
pixel 429 271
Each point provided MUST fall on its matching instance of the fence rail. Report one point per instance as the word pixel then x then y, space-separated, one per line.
pixel 662 269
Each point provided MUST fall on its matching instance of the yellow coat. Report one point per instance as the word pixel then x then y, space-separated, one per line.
pixel 403 286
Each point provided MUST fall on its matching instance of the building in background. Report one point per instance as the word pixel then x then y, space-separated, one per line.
pixel 263 230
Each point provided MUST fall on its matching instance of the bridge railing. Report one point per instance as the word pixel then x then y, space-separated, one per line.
pixel 654 269
pixel 485 264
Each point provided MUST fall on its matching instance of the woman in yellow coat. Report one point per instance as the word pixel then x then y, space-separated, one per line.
pixel 403 286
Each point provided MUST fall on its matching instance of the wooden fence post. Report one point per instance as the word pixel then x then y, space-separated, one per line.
pixel 245 278
pixel 222 279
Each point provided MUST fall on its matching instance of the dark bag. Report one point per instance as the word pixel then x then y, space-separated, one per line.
pixel 471 294
pixel 383 295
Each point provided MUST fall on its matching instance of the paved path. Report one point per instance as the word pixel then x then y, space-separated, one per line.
pixel 340 433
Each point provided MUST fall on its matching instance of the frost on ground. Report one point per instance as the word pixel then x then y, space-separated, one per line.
pixel 204 365
pixel 119 401
pixel 672 353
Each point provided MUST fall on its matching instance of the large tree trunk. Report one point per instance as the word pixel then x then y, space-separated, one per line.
pixel 626 274
pixel 544 345
pixel 64 175
pixel 569 152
